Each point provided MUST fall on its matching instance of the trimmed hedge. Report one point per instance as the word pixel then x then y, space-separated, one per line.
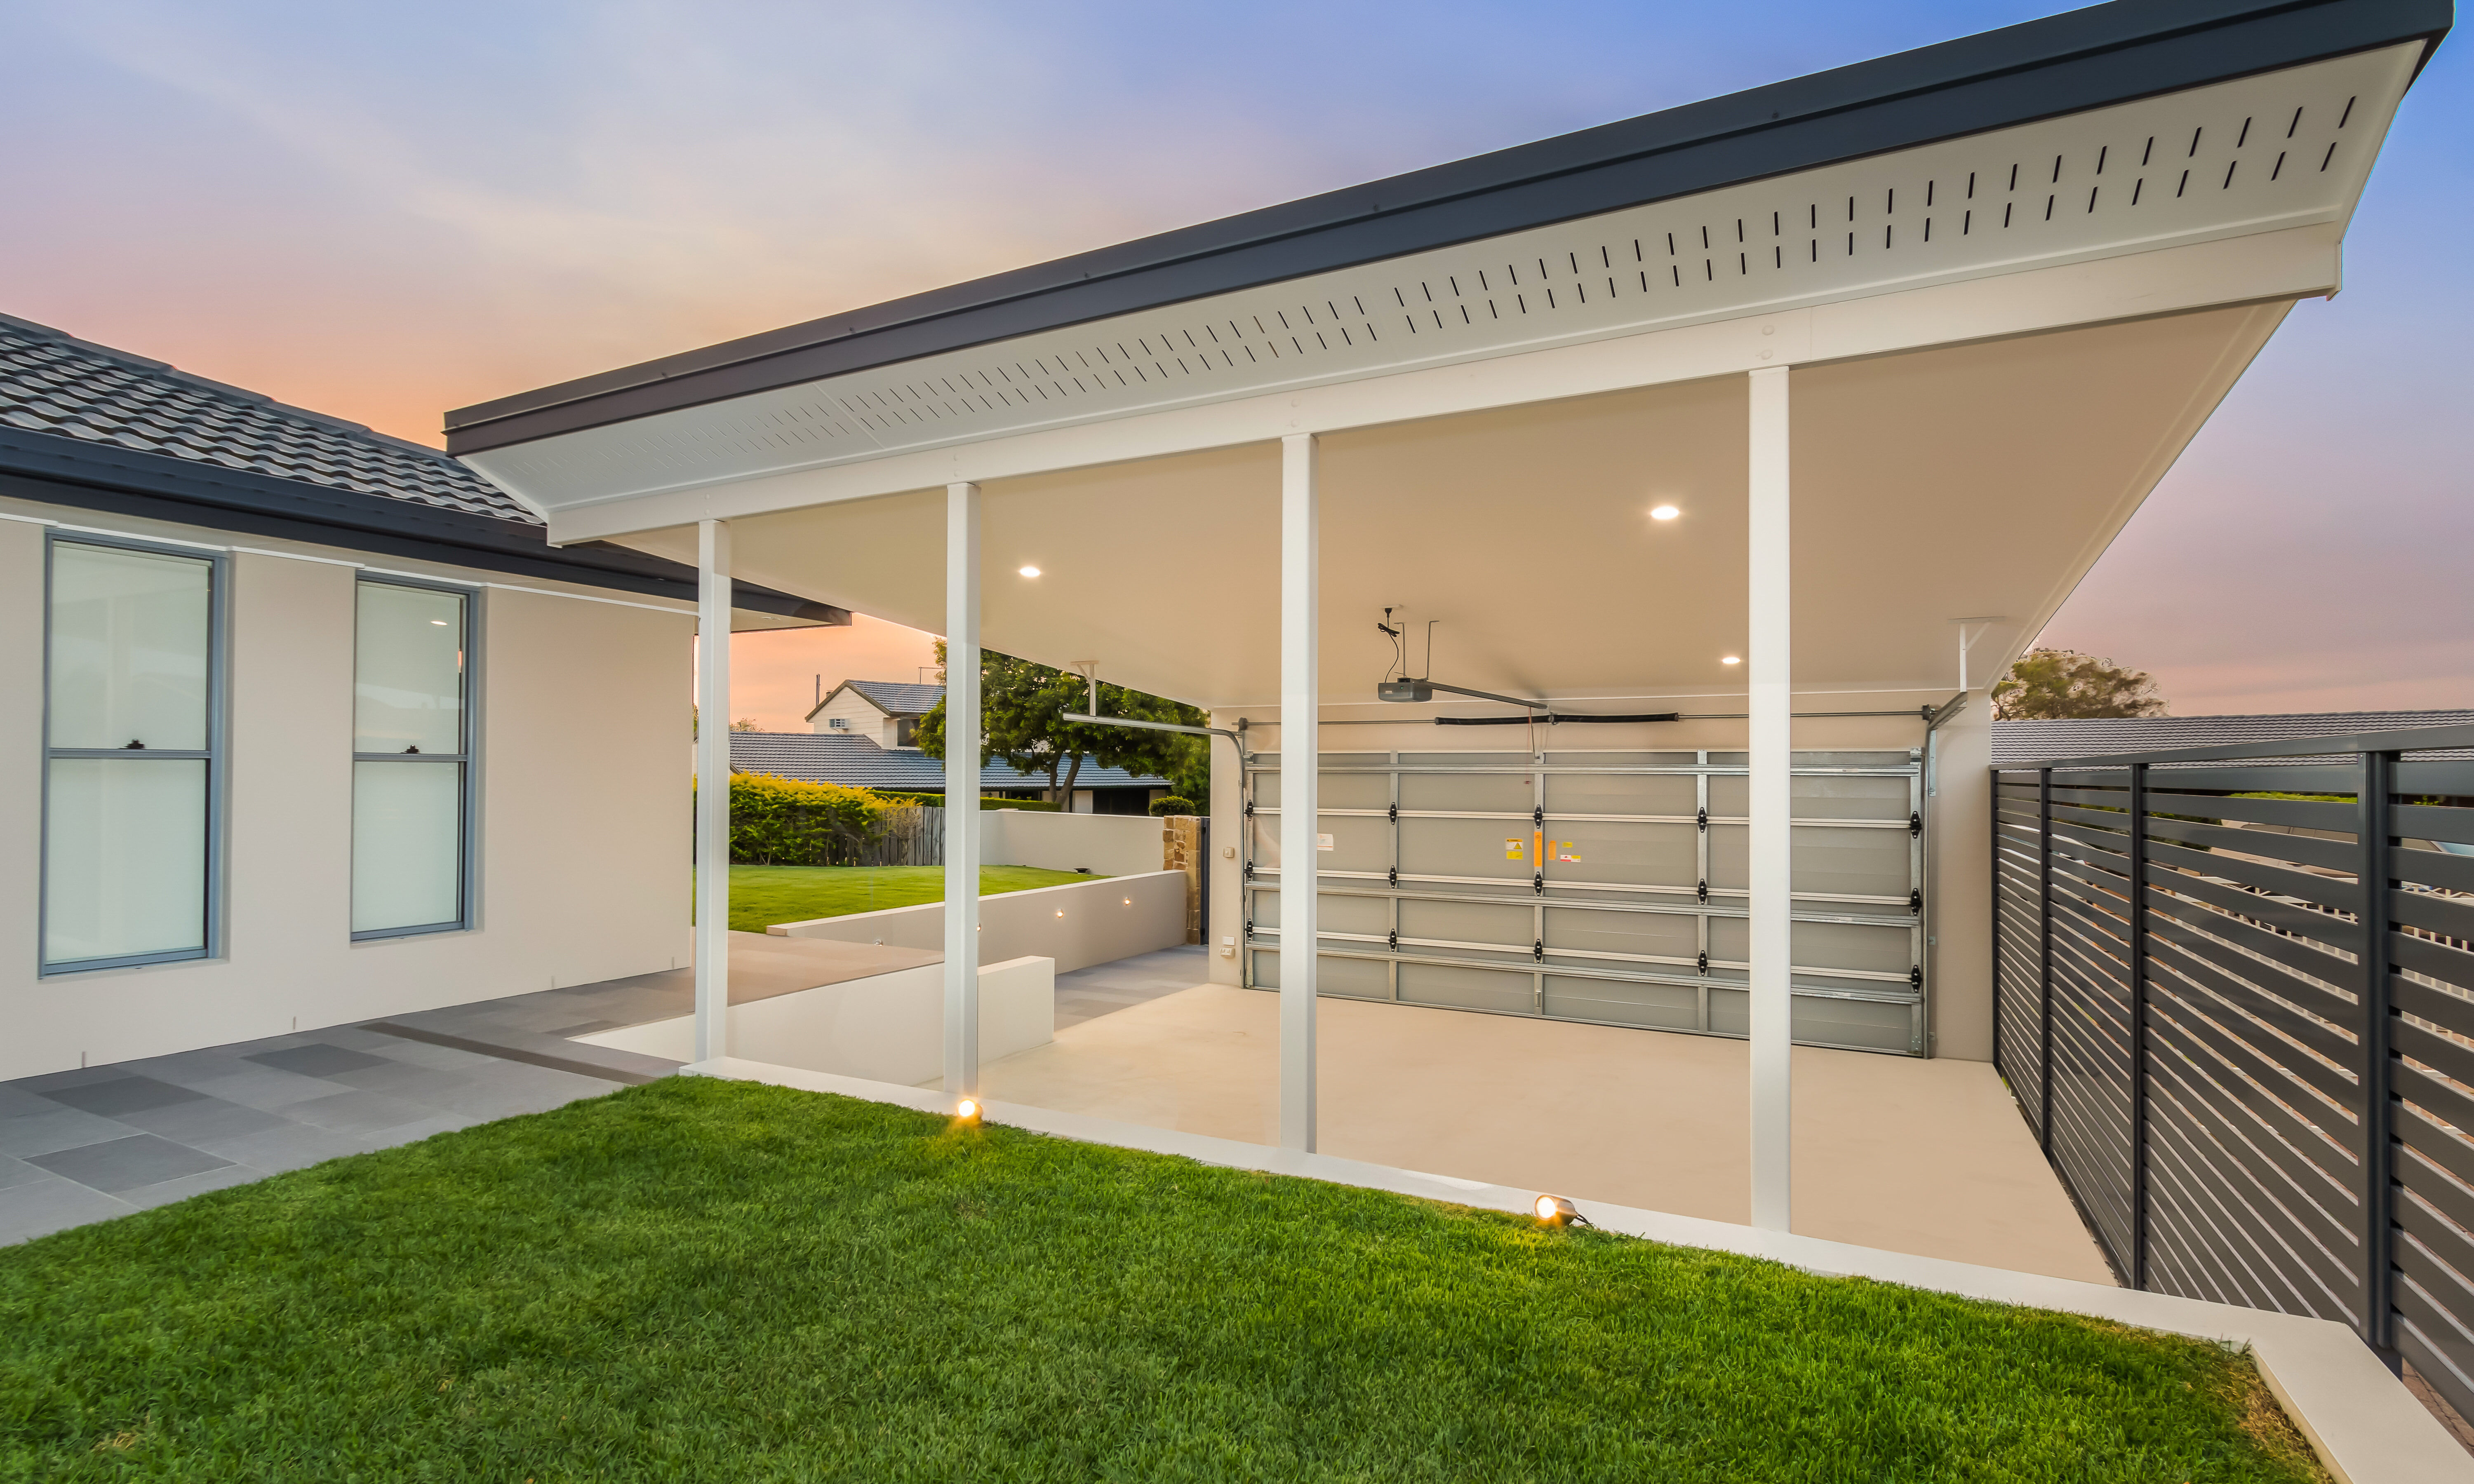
pixel 1161 808
pixel 986 801
pixel 783 822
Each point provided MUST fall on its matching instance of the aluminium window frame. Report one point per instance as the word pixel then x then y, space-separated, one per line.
pixel 216 755
pixel 468 896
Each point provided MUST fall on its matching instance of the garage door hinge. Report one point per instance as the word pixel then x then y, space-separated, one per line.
pixel 1916 976
pixel 1250 871
pixel 1537 951
pixel 1537 816
pixel 1915 823
pixel 1396 814
pixel 1703 892
pixel 1394 941
pixel 1537 883
pixel 1705 963
pixel 1705 822
pixel 1916 901
pixel 1392 876
pixel 1250 809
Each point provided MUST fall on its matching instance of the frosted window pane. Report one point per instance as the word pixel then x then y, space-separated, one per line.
pixel 407 844
pixel 125 864
pixel 408 670
pixel 129 648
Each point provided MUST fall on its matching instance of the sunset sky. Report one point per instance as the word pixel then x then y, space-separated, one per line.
pixel 382 212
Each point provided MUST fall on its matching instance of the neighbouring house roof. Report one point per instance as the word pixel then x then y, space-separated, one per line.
pixel 2018 742
pixel 89 425
pixel 2061 64
pixel 894 698
pixel 856 761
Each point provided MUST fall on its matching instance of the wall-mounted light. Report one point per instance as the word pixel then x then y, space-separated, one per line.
pixel 1664 513
pixel 1730 659
pixel 1061 912
pixel 1030 571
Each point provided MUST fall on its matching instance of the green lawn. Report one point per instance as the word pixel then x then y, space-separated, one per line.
pixel 702 1281
pixel 762 896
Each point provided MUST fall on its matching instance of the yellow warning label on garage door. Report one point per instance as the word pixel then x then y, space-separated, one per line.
pixel 1515 848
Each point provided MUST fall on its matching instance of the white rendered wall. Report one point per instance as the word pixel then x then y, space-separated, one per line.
pixel 1079 924
pixel 1110 845
pixel 582 846
pixel 886 1027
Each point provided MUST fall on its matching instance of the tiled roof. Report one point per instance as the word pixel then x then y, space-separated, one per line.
pixel 56 384
pixel 900 698
pixel 2031 741
pixel 857 763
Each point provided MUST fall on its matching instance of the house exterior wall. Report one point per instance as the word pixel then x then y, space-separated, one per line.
pixel 1957 842
pixel 858 716
pixel 583 837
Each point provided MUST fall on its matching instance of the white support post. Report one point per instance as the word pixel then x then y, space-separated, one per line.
pixel 713 791
pixel 1299 707
pixel 963 790
pixel 1771 604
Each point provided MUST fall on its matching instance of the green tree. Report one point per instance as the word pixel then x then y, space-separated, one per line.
pixel 2057 684
pixel 1022 720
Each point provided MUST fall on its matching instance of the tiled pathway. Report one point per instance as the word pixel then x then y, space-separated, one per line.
pixel 102 1141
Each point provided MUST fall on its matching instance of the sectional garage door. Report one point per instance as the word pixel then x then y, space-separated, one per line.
pixel 1602 887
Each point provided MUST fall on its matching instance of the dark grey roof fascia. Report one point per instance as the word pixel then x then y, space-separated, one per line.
pixel 58 470
pixel 2420 739
pixel 2066 63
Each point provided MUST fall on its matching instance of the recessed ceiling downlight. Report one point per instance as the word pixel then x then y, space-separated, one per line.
pixel 1664 513
pixel 1030 571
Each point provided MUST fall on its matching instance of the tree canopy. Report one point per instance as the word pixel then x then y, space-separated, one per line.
pixel 2058 685
pixel 1022 720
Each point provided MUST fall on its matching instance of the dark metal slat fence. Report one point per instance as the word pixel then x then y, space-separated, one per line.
pixel 2234 997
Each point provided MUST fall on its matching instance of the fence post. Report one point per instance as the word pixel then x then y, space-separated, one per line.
pixel 2138 965
pixel 2044 957
pixel 2374 828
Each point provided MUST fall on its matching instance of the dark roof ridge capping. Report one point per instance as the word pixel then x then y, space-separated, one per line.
pixel 2066 63
pixel 90 426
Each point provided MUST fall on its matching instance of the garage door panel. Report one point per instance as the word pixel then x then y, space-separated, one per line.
pixel 1649 934
pixel 1851 797
pixel 1353 791
pixel 1852 1022
pixel 1468 921
pixel 1674 1007
pixel 1466 989
pixel 1500 793
pixel 1359 978
pixel 1889 950
pixel 1851 862
pixel 1491 849
pixel 1581 793
pixel 1623 854
pixel 1358 842
pixel 1334 914
pixel 1267 789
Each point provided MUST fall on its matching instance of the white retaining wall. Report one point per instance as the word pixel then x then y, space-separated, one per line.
pixel 1078 924
pixel 883 1028
pixel 1108 845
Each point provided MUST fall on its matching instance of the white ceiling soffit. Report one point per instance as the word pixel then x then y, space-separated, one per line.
pixel 2264 153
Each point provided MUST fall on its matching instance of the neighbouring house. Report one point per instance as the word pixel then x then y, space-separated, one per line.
pixel 888 712
pixel 857 760
pixel 294 734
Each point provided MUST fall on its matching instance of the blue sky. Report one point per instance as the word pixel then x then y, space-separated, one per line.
pixel 385 212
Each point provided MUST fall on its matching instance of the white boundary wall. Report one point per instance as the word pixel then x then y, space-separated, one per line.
pixel 2360 1420
pixel 1110 845
pixel 884 1027
pixel 1078 924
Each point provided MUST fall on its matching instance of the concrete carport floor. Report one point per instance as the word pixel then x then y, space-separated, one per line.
pixel 1923 1157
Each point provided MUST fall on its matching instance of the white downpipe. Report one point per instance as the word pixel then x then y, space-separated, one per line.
pixel 1771 603
pixel 712 790
pixel 1301 571
pixel 963 790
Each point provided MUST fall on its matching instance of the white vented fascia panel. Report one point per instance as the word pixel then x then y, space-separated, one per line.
pixel 2265 154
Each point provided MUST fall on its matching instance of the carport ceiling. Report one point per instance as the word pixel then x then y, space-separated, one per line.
pixel 1954 482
